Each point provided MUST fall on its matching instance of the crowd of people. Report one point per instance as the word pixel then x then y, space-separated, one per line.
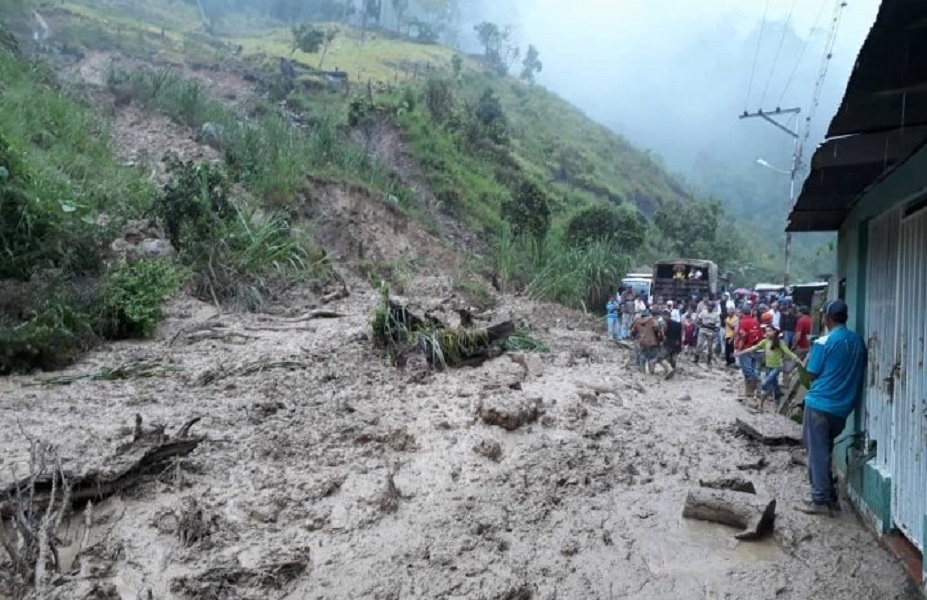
pixel 747 331
pixel 758 335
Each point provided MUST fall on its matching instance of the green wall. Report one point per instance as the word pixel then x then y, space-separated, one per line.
pixel 866 485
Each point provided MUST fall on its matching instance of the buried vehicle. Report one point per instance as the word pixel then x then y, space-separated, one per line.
pixel 684 278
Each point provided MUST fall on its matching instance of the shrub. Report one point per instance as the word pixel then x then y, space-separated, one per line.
pixel 54 332
pixel 238 254
pixel 624 228
pixel 132 297
pixel 439 100
pixel 192 204
pixel 528 211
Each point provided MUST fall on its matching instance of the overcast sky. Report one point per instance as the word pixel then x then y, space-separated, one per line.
pixel 673 75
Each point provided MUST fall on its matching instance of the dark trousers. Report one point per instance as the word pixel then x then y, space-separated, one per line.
pixel 729 351
pixel 819 430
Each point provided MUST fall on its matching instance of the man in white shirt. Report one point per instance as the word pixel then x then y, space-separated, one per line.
pixel 777 316
pixel 675 315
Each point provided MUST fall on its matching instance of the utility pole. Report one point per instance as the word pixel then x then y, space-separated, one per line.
pixel 770 116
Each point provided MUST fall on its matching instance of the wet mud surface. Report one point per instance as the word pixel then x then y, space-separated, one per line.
pixel 329 474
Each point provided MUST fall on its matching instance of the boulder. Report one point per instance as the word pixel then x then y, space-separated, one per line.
pixel 509 412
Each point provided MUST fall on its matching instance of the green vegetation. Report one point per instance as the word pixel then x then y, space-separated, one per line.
pixel 133 294
pixel 563 204
pixel 63 198
pixel 238 254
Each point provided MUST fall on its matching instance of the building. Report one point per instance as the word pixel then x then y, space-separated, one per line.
pixel 868 181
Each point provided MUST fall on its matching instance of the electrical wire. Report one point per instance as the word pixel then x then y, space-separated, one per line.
pixel 825 65
pixel 756 56
pixel 772 71
pixel 804 49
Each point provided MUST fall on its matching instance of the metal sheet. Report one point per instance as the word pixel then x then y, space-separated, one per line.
pixel 881 316
pixel 909 481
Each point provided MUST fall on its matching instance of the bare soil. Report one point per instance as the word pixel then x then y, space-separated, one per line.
pixel 339 476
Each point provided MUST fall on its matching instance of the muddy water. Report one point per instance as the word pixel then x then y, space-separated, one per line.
pixel 585 502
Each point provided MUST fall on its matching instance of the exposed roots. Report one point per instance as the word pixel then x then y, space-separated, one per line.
pixel 28 536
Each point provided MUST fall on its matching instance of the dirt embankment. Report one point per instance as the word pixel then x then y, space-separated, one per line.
pixel 327 473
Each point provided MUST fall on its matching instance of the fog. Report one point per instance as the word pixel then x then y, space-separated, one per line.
pixel 673 75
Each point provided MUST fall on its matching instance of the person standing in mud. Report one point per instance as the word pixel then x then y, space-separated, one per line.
pixel 749 334
pixel 776 351
pixel 650 337
pixel 802 343
pixel 672 341
pixel 709 322
pixel 611 309
pixel 627 314
pixel 836 364
pixel 730 330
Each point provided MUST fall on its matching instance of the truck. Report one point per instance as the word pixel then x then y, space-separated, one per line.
pixel 684 279
pixel 639 283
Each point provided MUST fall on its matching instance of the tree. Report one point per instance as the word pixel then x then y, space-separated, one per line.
pixel 624 227
pixel 528 211
pixel 693 229
pixel 531 64
pixel 490 118
pixel 307 39
pixel 330 34
pixel 494 39
pixel 400 7
pixel 371 9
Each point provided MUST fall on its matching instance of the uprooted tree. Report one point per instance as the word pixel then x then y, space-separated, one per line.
pixel 400 333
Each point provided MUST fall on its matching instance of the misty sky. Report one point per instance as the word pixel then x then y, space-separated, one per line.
pixel 672 75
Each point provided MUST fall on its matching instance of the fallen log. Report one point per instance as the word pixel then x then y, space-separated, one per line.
pixel 147 452
pixel 755 516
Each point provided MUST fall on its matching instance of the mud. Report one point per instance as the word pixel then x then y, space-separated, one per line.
pixel 339 476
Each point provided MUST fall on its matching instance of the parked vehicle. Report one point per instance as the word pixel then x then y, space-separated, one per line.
pixel 640 283
pixel 684 278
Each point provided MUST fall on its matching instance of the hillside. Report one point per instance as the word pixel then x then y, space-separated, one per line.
pixel 580 159
pixel 256 172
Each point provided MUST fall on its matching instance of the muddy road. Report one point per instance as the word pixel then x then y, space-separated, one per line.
pixel 327 473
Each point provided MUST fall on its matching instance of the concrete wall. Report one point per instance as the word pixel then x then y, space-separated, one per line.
pixel 867 486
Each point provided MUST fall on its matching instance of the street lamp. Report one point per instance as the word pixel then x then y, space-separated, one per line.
pixel 765 163
pixel 788 234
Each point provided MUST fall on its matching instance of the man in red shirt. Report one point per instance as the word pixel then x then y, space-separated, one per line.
pixel 749 334
pixel 802 342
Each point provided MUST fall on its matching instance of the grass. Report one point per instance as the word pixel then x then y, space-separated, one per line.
pixel 579 277
pixel 269 155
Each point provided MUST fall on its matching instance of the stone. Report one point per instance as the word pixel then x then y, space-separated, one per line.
pixel 509 412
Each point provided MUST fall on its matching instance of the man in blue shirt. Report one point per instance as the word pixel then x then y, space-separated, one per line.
pixel 836 365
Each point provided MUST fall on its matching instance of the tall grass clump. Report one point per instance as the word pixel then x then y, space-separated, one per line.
pixel 239 254
pixel 577 276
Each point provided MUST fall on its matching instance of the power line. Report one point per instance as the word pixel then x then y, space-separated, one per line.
pixel 772 71
pixel 756 56
pixel 839 7
pixel 804 49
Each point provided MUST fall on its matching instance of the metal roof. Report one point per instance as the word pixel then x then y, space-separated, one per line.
pixel 881 123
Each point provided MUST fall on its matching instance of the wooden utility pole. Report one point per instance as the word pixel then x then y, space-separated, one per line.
pixel 771 117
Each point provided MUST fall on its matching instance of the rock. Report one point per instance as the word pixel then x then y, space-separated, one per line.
pixel 152 248
pixel 771 430
pixel 211 134
pixel 509 412
pixel 490 449
pixel 141 239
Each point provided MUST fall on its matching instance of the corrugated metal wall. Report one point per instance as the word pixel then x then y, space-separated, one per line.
pixel 909 481
pixel 881 311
